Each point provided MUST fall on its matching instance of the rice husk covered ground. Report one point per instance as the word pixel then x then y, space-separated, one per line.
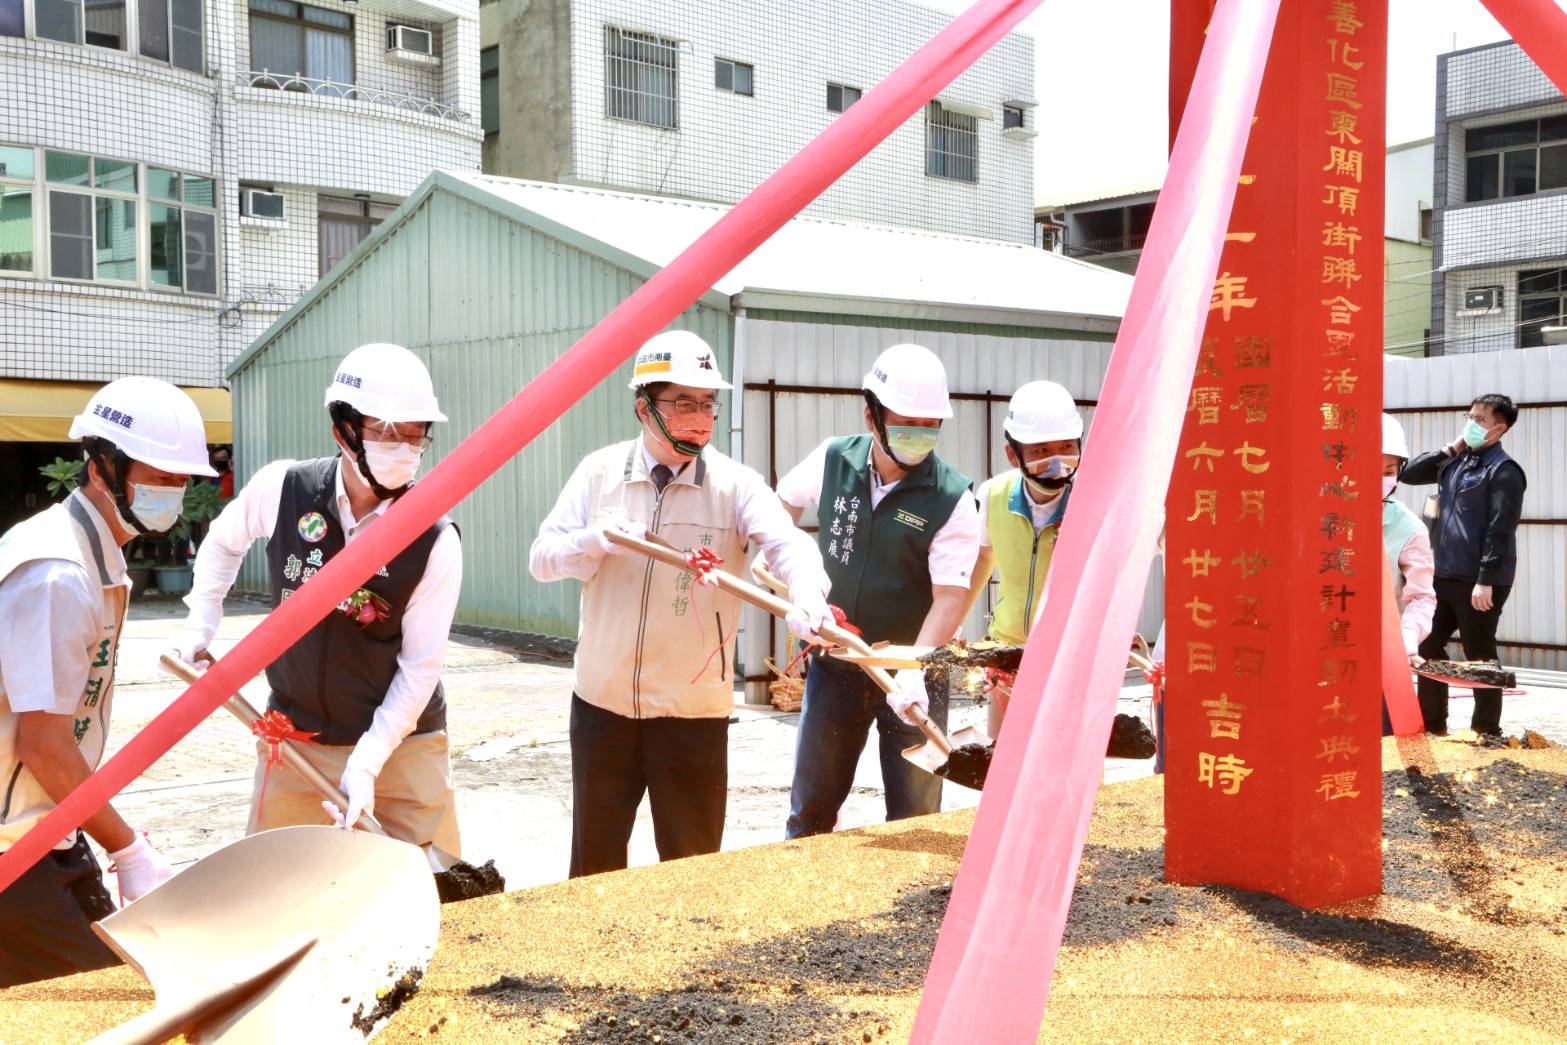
pixel 827 939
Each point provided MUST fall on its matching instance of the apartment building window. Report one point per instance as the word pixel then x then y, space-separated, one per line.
pixel 1542 302
pixel 97 22
pixel 182 219
pixel 13 18
pixel 951 144
pixel 170 31
pixel 640 78
pixel 490 89
pixel 1426 226
pixel 840 97
pixel 92 218
pixel 733 76
pixel 1013 116
pixel 344 224
pixel 291 39
pixel 16 209
pixel 1515 159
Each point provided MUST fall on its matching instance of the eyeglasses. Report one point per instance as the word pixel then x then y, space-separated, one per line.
pixel 1483 422
pixel 710 407
pixel 390 437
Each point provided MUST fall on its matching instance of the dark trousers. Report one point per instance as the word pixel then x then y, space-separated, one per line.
pixel 682 764
pixel 46 918
pixel 841 705
pixel 1477 632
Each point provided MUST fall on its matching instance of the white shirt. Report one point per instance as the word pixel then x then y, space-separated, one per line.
pixel 1041 513
pixel 427 620
pixel 567 547
pixel 953 549
pixel 51 613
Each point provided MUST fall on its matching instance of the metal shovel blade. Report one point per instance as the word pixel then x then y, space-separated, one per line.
pixel 968 763
pixel 368 902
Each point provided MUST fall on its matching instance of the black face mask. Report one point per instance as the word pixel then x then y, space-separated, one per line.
pixel 221 464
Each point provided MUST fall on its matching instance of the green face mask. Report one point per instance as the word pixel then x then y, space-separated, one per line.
pixel 1474 435
pixel 911 444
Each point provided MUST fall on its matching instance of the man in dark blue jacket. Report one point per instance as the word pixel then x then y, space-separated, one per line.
pixel 1480 497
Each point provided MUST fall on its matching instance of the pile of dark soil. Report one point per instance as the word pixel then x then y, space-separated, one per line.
pixel 1130 738
pixel 463 881
pixel 968 765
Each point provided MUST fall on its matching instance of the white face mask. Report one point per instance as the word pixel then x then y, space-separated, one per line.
pixel 395 468
pixel 1388 483
pixel 156 507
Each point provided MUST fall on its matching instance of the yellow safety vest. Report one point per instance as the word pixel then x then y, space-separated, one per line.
pixel 1022 556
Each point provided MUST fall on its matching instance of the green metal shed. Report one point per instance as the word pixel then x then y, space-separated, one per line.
pixel 489 280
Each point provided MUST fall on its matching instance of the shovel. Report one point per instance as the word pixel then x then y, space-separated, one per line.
pixel 455 879
pixel 303 934
pixel 935 756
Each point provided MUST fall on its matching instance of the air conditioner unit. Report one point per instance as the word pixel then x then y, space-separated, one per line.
pixel 407 38
pixel 257 203
pixel 1482 299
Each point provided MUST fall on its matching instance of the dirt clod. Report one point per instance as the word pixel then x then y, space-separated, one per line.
pixel 968 765
pixel 1130 738
pixel 386 1005
pixel 463 881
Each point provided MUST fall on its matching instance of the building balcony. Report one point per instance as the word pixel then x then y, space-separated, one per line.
pixel 410 103
pixel 1503 232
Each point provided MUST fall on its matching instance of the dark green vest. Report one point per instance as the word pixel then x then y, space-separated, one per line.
pixel 879 561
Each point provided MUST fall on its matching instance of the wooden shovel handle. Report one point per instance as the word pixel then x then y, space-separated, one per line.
pixel 242 710
pixel 880 676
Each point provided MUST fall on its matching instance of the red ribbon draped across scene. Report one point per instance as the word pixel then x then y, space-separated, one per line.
pixel 990 976
pixel 845 141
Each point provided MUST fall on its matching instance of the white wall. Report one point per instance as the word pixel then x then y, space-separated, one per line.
pixel 1488 79
pixel 1409 189
pixel 728 143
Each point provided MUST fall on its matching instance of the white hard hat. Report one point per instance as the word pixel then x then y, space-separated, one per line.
pixel 387 382
pixel 1393 441
pixel 1042 412
pixel 150 421
pixel 909 380
pixel 678 357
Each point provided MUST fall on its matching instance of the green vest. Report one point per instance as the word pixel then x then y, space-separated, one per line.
pixel 1022 556
pixel 1398 525
pixel 879 561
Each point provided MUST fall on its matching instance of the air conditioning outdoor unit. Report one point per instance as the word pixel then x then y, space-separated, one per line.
pixel 407 38
pixel 1482 299
pixel 257 203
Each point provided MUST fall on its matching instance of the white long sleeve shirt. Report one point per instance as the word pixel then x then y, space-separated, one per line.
pixel 567 546
pixel 427 620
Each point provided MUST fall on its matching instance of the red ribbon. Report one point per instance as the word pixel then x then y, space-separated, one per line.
pixel 996 679
pixel 702 562
pixel 839 618
pixel 1155 677
pixel 275 727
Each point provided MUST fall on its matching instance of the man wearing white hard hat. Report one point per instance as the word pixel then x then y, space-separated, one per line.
pixel 899 530
pixel 654 684
pixel 1020 513
pixel 63 594
pixel 1408 545
pixel 365 683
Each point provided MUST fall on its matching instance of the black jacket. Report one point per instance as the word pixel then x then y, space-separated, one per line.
pixel 1480 502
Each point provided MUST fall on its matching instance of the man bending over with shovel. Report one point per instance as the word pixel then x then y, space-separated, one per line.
pixel 365 683
pixel 63 593
pixel 653 689
pixel 900 531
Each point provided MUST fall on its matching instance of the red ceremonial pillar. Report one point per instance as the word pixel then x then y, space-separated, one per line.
pixel 1274 546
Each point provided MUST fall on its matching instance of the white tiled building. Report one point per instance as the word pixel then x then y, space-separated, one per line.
pixel 704 99
pixel 1500 235
pixel 130 131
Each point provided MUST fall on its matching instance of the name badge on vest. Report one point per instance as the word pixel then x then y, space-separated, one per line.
pixel 909 519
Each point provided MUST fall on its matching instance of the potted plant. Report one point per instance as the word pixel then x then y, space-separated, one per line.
pixel 202 504
pixel 63 475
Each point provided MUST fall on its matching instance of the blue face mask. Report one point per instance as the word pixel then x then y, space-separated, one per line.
pixel 911 444
pixel 157 507
pixel 1474 435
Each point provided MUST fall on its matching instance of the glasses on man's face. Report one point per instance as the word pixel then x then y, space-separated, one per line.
pixel 710 407
pixel 1483 422
pixel 390 437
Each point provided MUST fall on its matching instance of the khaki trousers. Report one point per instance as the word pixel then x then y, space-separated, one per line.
pixel 414 799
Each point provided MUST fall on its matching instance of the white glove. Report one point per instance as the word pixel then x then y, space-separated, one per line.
pixel 359 786
pixel 910 691
pixel 141 868
pixel 616 520
pixel 191 648
pixel 810 611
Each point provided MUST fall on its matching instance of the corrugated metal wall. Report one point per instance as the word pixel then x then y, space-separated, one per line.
pixel 487 304
pixel 1428 396
pixel 813 354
